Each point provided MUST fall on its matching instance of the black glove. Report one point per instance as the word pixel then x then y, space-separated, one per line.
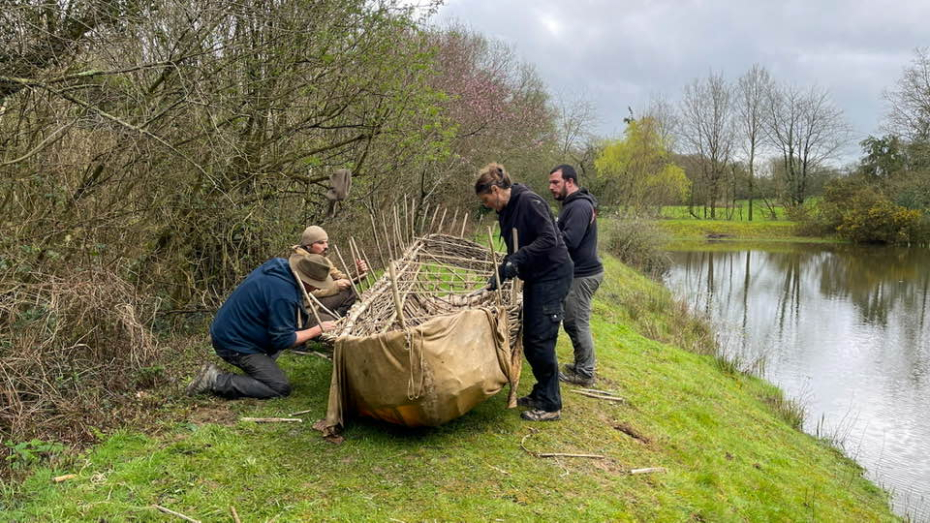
pixel 505 271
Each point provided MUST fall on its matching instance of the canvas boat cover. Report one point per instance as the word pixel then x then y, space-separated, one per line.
pixel 451 352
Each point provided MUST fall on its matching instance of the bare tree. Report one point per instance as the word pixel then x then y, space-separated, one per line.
pixel 752 91
pixel 574 123
pixel 707 129
pixel 806 129
pixel 909 102
pixel 666 117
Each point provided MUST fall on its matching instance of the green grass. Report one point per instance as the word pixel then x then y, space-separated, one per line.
pixel 691 229
pixel 730 455
pixel 739 212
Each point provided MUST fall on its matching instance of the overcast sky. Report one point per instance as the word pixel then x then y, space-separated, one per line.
pixel 621 53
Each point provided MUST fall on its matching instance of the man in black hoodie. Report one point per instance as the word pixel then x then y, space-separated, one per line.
pixel 578 225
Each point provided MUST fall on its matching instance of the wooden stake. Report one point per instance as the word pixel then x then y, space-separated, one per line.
pixel 397 303
pixel 648 470
pixel 272 420
pixel 441 220
pixel 516 247
pixel 555 454
pixel 455 218
pixel 497 276
pixel 300 412
pixel 374 232
pixel 389 242
pixel 371 272
pixel 407 221
pixel 424 212
pixel 464 222
pixel 176 514
pixel 431 222
pixel 235 514
pixel 398 232
pixel 311 299
pixel 66 477
pixel 600 396
pixel 346 267
pixel 356 254
pixel 413 217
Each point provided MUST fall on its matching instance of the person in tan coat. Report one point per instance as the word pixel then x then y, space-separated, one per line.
pixel 341 296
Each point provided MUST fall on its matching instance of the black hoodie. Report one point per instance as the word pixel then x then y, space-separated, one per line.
pixel 542 255
pixel 578 224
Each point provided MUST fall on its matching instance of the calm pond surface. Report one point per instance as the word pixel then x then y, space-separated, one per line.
pixel 843 329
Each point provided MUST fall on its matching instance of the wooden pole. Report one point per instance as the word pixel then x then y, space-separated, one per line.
pixel 441 220
pixel 455 218
pixel 516 247
pixel 374 232
pixel 310 302
pixel 397 304
pixel 407 221
pixel 497 276
pixel 176 514
pixel 424 212
pixel 398 233
pixel 464 222
pixel 357 255
pixel 272 420
pixel 371 273
pixel 433 221
pixel 388 241
pixel 348 274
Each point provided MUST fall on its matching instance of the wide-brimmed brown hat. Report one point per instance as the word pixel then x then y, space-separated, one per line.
pixel 312 269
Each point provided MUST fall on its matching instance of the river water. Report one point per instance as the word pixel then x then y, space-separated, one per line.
pixel 845 330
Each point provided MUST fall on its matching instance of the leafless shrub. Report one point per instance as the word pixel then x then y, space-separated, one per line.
pixel 69 349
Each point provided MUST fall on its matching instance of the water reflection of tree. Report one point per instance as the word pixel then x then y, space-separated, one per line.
pixel 883 284
pixel 878 281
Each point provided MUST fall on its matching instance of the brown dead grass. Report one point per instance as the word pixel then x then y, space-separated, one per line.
pixel 75 355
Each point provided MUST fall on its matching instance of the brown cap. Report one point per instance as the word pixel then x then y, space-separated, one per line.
pixel 312 235
pixel 312 269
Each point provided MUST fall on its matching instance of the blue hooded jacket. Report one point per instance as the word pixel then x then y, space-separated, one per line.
pixel 261 314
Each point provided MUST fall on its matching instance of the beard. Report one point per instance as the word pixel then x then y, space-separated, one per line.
pixel 559 196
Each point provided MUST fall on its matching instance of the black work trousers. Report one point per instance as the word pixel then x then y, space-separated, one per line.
pixel 263 378
pixel 542 314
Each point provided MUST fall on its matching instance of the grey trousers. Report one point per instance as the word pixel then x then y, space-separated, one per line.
pixel 339 303
pixel 577 321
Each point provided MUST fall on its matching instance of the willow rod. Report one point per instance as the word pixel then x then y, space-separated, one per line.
pixel 346 267
pixel 433 221
pixel 497 275
pixel 374 231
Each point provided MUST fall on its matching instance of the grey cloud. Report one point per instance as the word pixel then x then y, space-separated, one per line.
pixel 622 53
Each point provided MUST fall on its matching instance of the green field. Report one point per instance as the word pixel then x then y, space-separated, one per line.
pixel 739 212
pixel 728 443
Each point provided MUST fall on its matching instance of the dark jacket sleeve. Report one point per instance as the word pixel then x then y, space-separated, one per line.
pixel 536 217
pixel 574 223
pixel 282 324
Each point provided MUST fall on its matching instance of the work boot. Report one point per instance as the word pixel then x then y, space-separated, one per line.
pixel 528 402
pixel 541 415
pixel 204 380
pixel 576 379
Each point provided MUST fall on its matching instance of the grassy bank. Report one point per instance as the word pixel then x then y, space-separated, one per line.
pixel 727 441
pixel 761 230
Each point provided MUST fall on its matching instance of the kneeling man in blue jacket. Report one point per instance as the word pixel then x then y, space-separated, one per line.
pixel 261 318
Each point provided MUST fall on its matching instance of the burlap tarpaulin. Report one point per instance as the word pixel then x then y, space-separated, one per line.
pixel 424 376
